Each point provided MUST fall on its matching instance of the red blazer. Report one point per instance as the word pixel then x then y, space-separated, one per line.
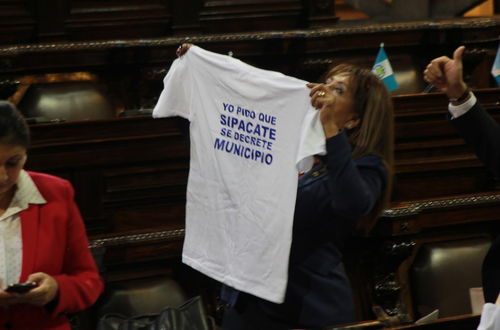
pixel 55 243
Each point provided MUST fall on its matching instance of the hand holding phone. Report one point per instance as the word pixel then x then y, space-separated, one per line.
pixel 20 287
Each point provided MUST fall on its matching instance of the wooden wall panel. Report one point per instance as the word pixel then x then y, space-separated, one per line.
pixel 83 20
pixel 254 15
pixel 155 193
pixel 129 173
pixel 17 22
pixel 98 20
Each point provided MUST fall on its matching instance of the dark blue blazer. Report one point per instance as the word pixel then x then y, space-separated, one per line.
pixel 330 198
pixel 482 134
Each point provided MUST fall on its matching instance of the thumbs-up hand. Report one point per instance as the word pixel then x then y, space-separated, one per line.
pixel 447 74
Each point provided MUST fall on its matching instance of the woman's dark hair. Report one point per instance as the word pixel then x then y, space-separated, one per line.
pixel 13 128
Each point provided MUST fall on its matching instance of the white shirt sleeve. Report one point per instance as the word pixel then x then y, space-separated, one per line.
pixel 459 110
pixel 177 92
pixel 312 141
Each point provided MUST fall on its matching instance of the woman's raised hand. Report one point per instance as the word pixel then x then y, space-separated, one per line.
pixel 323 99
pixel 182 49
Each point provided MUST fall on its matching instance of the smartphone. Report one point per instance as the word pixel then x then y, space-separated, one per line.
pixel 20 287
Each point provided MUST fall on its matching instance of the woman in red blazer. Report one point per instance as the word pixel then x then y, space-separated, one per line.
pixel 44 239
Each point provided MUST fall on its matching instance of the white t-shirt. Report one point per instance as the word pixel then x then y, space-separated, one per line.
pixel 249 130
pixel 490 317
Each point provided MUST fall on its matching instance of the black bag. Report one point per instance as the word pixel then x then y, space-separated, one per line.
pixel 188 316
pixel 117 321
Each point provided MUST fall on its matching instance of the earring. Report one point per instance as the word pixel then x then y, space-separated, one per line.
pixel 349 126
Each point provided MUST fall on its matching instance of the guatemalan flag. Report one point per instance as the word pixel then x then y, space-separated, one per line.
pixel 495 71
pixel 383 70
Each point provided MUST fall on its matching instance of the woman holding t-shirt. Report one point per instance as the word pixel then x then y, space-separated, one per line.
pixel 347 190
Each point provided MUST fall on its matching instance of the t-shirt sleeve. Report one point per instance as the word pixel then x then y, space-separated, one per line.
pixel 312 141
pixel 175 99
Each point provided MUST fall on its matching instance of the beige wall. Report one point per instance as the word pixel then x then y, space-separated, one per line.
pixel 486 9
pixel 347 13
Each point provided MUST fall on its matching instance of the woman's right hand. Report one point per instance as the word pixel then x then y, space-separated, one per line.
pixel 8 298
pixel 182 49
pixel 323 100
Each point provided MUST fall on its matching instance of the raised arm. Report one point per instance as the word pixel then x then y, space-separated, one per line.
pixel 182 49
pixel 447 74
pixel 470 119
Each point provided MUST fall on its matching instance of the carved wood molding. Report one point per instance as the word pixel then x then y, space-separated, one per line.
pixel 319 33
pixel 387 288
pixel 136 238
pixel 418 207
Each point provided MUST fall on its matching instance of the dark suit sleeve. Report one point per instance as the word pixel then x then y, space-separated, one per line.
pixel 491 272
pixel 482 134
pixel 354 186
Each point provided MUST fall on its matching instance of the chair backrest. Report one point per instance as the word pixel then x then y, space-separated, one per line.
pixel 69 101
pixel 442 273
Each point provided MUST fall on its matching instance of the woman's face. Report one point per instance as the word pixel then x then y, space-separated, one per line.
pixel 12 159
pixel 343 110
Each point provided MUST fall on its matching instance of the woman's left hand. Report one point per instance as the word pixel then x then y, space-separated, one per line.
pixel 183 49
pixel 44 293
pixel 323 99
